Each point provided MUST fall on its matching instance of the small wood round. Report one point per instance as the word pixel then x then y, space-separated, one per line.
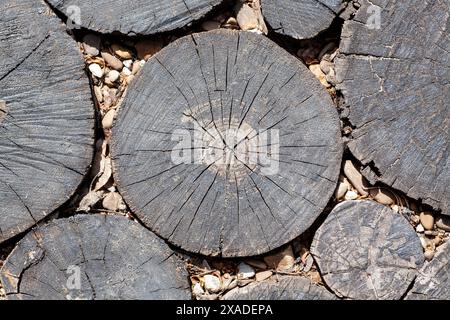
pixel 93 257
pixel 396 81
pixel 281 288
pixel 133 17
pixel 226 145
pixel 433 281
pixel 367 251
pixel 46 115
pixel 300 19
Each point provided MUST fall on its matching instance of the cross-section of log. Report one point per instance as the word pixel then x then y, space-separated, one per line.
pixel 433 281
pixel 300 19
pixel 46 115
pixel 396 82
pixel 226 145
pixel 281 288
pixel 367 251
pixel 133 17
pixel 94 257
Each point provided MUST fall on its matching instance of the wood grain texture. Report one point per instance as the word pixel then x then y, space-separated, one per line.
pixel 206 84
pixel 367 251
pixel 433 281
pixel 117 259
pixel 300 19
pixel 281 288
pixel 134 17
pixel 396 83
pixel 47 126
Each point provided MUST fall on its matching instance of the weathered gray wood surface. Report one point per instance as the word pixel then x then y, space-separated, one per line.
pixel 47 115
pixel 133 17
pixel 281 288
pixel 367 251
pixel 300 19
pixel 433 281
pixel 396 81
pixel 116 259
pixel 215 82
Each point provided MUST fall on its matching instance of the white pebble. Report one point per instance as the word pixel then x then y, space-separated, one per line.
pixel 126 71
pixel 351 195
pixel 212 283
pixel 96 70
pixel 245 271
pixel 197 290
pixel 128 63
pixel 113 76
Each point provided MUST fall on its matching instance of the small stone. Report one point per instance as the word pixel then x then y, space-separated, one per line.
pixel 126 71
pixel 427 244
pixel 147 48
pixel 420 228
pixel 316 70
pixel 128 63
pixel 263 275
pixel 281 261
pixel 356 179
pixel 91 44
pixel 113 202
pixel 98 94
pixel 245 271
pixel 246 17
pixel 136 67
pixel 443 222
pixel 212 283
pixel 396 208
pixel 112 76
pixel 108 119
pixel 326 66
pixel 341 190
pixel 309 263
pixel 382 196
pixel 112 61
pixel 197 289
pixel 351 195
pixel 429 255
pixel 210 25
pixel 121 51
pixel 427 220
pixel 232 21
pixel 96 70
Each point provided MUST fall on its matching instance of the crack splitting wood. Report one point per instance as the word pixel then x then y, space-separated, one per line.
pixel 46 115
pixel 365 250
pixel 300 19
pixel 395 80
pixel 137 17
pixel 226 145
pixel 94 257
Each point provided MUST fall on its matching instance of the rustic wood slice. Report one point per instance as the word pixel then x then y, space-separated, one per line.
pixel 396 83
pixel 367 251
pixel 300 19
pixel 47 115
pixel 133 17
pixel 281 288
pixel 223 91
pixel 116 259
pixel 433 281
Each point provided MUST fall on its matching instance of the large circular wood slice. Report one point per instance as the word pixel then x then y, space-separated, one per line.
pixel 133 17
pixel 93 257
pixel 367 251
pixel 300 19
pixel 281 288
pixel 433 281
pixel 46 115
pixel 396 82
pixel 226 145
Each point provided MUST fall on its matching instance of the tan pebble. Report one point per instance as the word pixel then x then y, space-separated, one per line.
pixel 91 44
pixel 98 94
pixel 136 67
pixel 427 220
pixel 112 61
pixel 112 201
pixel 315 69
pixel 210 25
pixel 341 190
pixel 232 21
pixel 147 48
pixel 429 255
pixel 108 119
pixel 246 17
pixel 356 179
pixel 282 260
pixel 382 196
pixel 263 275
pixel 121 51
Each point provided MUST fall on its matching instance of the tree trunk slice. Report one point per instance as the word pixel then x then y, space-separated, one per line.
pixel 396 82
pixel 137 17
pixel 366 251
pixel 210 84
pixel 47 116
pixel 433 281
pixel 300 19
pixel 281 288
pixel 116 259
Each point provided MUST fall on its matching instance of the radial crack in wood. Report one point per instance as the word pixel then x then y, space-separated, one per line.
pixel 281 288
pixel 367 251
pixel 226 145
pixel 46 115
pixel 137 17
pixel 93 257
pixel 394 72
